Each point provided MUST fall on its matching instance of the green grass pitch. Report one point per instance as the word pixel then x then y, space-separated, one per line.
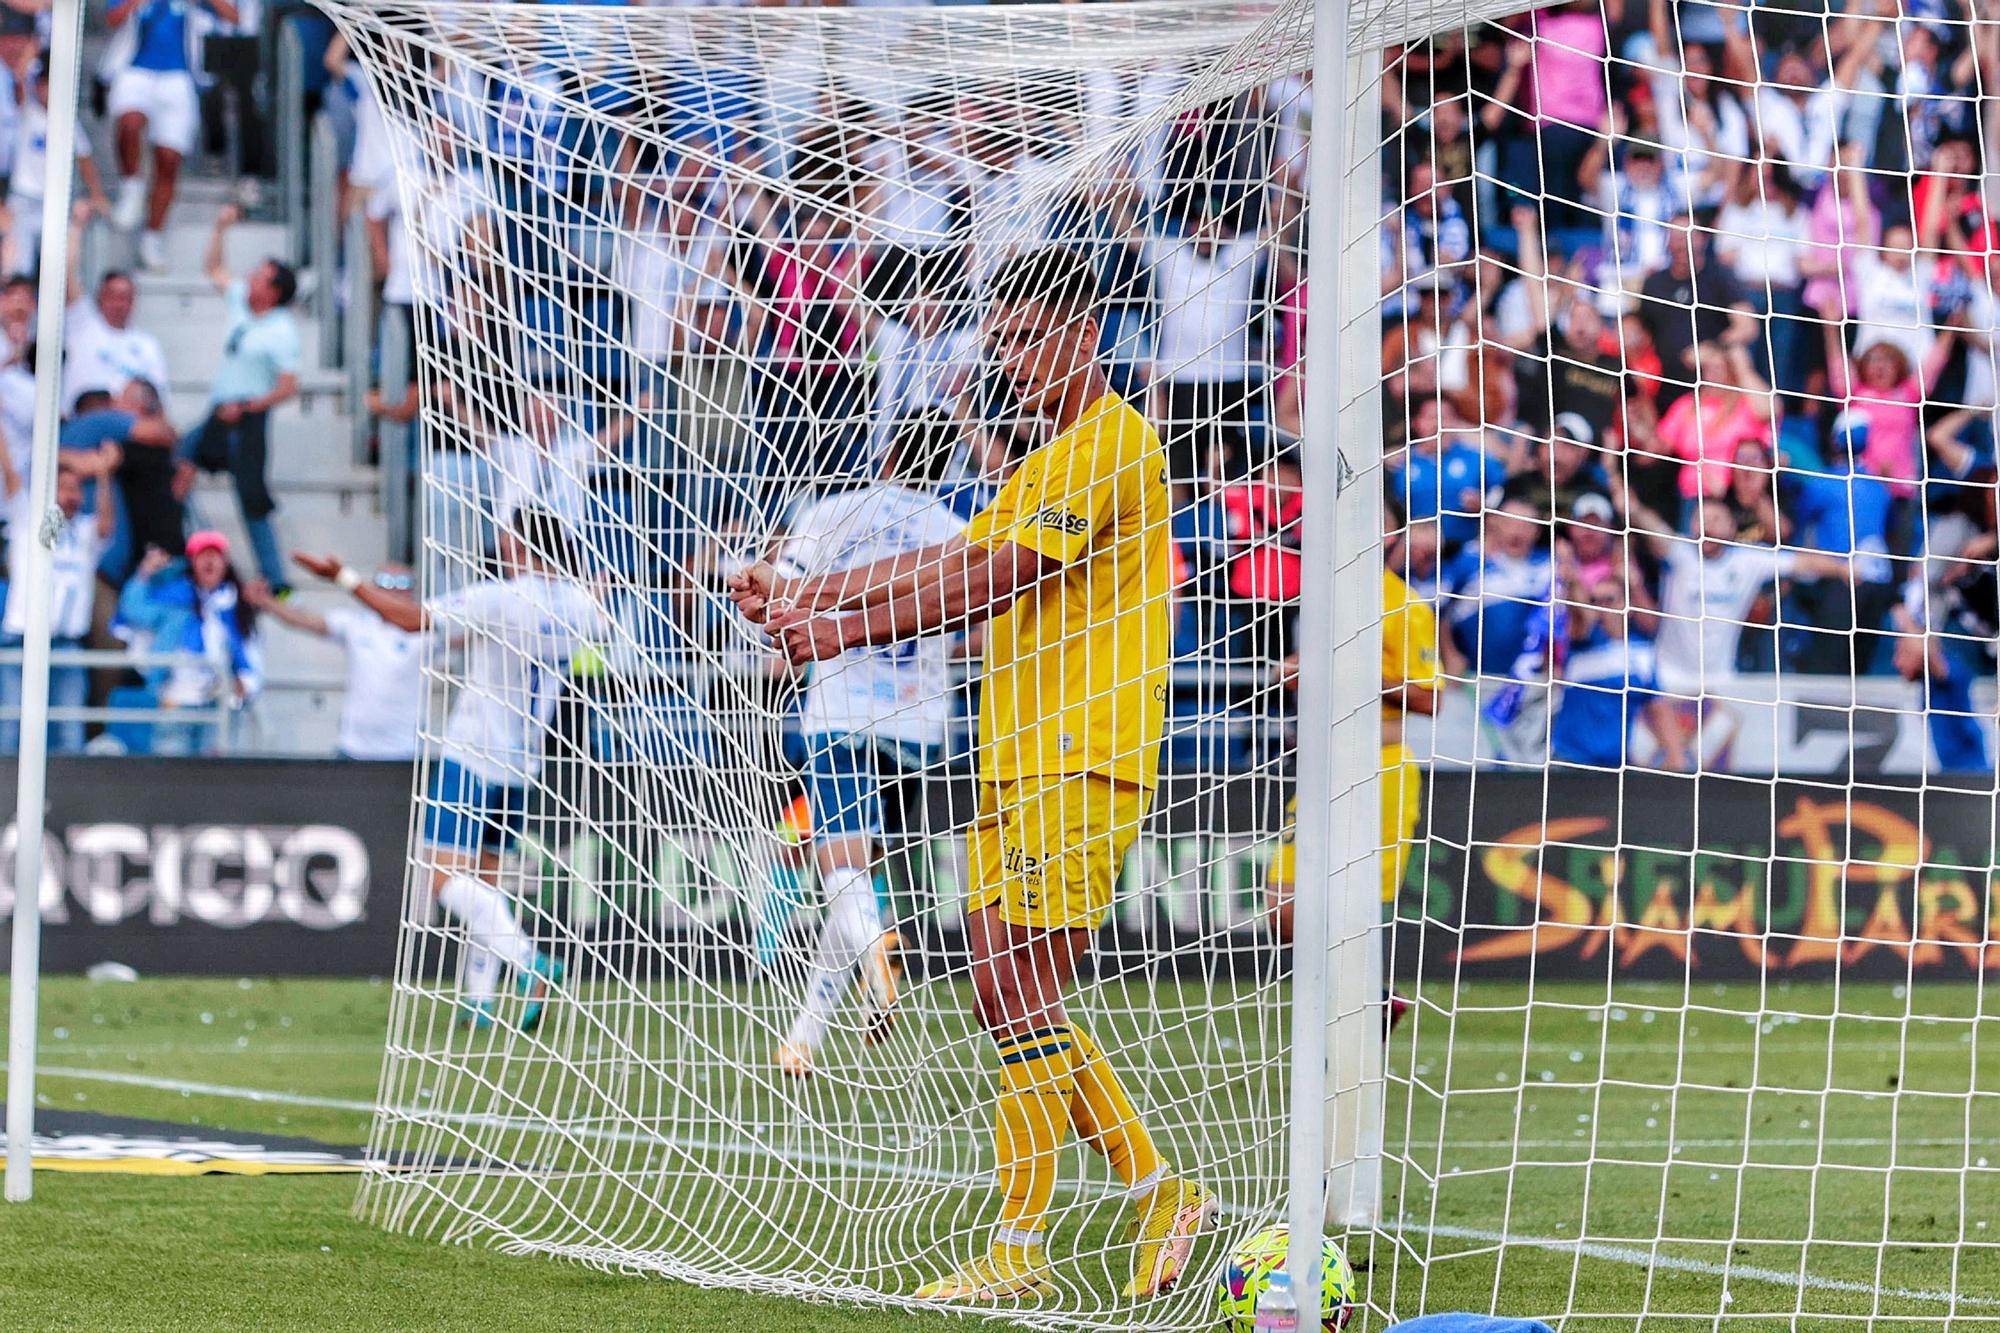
pixel 1861 1111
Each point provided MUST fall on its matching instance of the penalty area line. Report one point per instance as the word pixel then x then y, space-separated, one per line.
pixel 1631 1255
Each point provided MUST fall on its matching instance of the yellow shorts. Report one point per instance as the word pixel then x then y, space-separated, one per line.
pixel 1048 849
pixel 1402 805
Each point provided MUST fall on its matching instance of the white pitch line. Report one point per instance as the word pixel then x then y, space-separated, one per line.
pixel 1644 1258
pixel 1760 1142
pixel 205 1089
pixel 1621 1254
pixel 515 1122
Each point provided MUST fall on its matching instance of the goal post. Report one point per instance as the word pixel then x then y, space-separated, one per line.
pixel 689 279
pixel 1541 512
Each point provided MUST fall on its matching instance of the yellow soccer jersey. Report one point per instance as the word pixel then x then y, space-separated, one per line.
pixel 1076 670
pixel 1409 637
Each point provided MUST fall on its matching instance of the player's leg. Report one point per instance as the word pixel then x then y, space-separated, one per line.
pixel 1104 819
pixel 128 106
pixel 1019 973
pixel 479 966
pixel 901 771
pixel 1043 862
pixel 176 115
pixel 1402 805
pixel 846 819
pixel 469 824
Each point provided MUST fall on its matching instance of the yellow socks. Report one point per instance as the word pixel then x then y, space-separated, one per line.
pixel 1037 1088
pixel 1105 1117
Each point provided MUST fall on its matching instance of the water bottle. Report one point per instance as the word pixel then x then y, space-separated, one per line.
pixel 1277 1308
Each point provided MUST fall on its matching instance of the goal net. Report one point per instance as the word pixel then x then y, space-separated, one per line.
pixel 1592 650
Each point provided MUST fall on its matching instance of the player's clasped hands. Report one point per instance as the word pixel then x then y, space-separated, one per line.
pixel 799 634
pixel 804 637
pixel 751 589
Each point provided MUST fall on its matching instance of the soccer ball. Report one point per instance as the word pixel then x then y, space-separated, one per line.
pixel 1249 1271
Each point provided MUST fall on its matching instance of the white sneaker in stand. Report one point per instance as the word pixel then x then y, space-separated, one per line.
pixel 152 252
pixel 130 209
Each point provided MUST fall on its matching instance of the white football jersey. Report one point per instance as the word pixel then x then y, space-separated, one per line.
pixel 898 691
pixel 518 635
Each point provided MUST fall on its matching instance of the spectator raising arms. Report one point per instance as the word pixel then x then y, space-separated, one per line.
pixel 1889 390
pixel 1709 587
pixel 259 371
pixel 1730 405
pixel 193 608
pixel 102 348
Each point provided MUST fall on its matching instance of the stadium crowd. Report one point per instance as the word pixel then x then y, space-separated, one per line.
pixel 1687 341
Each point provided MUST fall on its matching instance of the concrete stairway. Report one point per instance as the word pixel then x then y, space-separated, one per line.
pixel 326 500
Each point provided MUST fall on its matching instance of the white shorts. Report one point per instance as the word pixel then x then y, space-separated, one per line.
pixel 166 98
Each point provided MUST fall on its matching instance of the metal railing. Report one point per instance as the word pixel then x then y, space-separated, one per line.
pixel 323 240
pixel 94 254
pixel 292 146
pixel 358 329
pixel 394 438
pixel 222 713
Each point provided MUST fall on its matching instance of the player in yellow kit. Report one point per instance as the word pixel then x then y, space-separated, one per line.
pixel 1409 685
pixel 1069 568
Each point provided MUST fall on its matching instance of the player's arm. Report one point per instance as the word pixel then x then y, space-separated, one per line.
pixel 960 585
pixel 398 608
pixel 1411 697
pixel 258 594
pixel 762 590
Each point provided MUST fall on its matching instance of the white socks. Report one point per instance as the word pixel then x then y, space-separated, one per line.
pixel 489 921
pixel 852 924
pixel 479 974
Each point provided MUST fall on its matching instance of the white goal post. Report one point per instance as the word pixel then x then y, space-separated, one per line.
pixel 1524 459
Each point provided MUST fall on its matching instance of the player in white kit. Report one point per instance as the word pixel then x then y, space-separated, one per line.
pixel 518 633
pixel 870 717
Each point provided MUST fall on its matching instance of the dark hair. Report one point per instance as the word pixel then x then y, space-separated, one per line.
pixel 244 614
pixel 149 393
pixel 1055 276
pixel 284 280
pixel 90 400
pixel 922 448
pixel 17 282
pixel 1783 182
pixel 112 275
pixel 546 538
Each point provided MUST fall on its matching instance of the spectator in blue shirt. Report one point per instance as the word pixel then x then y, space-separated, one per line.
pixel 259 371
pixel 1498 591
pixel 1446 474
pixel 1840 508
pixel 1609 683
pixel 1945 677
pixel 148 512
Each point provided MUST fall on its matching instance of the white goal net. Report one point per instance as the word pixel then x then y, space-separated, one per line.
pixel 1640 495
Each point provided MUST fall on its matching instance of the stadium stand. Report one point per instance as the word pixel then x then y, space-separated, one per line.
pixel 1829 388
